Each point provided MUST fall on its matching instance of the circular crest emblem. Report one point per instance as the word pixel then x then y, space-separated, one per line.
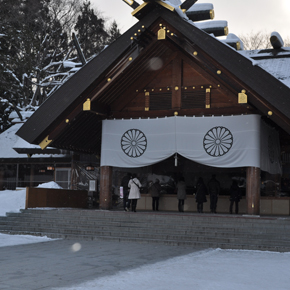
pixel 218 141
pixel 134 143
pixel 271 150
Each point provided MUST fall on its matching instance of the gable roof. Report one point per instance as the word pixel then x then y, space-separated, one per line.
pixel 56 118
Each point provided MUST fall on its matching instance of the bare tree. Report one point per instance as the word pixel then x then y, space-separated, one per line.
pixel 259 40
pixel 256 40
pixel 66 12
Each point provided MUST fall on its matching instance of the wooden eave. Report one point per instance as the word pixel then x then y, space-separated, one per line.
pixel 74 92
pixel 111 77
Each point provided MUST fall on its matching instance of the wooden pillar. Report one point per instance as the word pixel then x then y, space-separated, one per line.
pixel 106 187
pixel 253 190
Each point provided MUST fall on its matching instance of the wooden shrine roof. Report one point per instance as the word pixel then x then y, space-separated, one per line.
pixel 109 79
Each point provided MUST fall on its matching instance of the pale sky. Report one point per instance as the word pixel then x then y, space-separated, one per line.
pixel 243 16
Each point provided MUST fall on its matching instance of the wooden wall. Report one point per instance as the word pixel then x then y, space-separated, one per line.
pixel 183 85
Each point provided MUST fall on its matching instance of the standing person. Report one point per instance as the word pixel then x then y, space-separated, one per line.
pixel 214 191
pixel 200 196
pixel 155 189
pixel 134 194
pixel 181 193
pixel 235 197
pixel 124 184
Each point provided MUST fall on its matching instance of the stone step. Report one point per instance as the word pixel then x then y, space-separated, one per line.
pixel 143 236
pixel 224 231
pixel 195 244
pixel 145 215
pixel 145 226
pixel 239 227
pixel 155 233
pixel 192 219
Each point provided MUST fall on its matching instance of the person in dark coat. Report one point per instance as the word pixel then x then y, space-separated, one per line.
pixel 154 190
pixel 181 193
pixel 200 195
pixel 235 196
pixel 213 190
pixel 124 184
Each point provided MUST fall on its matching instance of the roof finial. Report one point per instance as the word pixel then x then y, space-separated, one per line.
pixel 276 40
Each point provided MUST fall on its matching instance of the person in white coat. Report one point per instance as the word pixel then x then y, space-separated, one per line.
pixel 134 194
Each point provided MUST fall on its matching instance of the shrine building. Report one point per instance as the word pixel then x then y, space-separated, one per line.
pixel 176 95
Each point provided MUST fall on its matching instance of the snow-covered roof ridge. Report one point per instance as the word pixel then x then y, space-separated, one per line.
pixel 211 24
pixel 200 7
pixel 174 3
pixel 233 41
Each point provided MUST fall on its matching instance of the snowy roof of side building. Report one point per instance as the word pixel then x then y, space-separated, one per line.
pixel 274 61
pixel 25 115
pixel 9 141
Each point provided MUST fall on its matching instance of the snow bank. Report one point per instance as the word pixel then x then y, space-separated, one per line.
pixel 50 184
pixel 13 240
pixel 14 200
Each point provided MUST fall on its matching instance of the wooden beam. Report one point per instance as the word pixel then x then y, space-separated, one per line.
pixel 207 98
pixel 182 112
pixel 132 3
pixel 176 83
pixel 96 108
pixel 187 4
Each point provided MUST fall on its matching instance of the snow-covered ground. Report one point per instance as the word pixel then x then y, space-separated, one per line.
pixel 213 269
pixel 14 201
pixel 204 270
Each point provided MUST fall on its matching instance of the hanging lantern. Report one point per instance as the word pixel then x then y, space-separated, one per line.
pixel 50 168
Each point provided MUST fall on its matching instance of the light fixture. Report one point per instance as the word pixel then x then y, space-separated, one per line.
pixel 90 168
pixel 175 159
pixel 50 168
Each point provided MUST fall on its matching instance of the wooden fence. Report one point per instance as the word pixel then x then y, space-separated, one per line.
pixel 48 197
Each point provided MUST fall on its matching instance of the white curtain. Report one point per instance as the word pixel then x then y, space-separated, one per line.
pixel 138 142
pixel 228 142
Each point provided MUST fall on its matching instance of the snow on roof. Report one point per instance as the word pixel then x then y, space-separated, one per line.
pixel 24 114
pixel 275 62
pixel 172 2
pixel 200 7
pixel 211 24
pixel 8 141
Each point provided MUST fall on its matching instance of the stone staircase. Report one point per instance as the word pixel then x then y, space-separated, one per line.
pixel 185 229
